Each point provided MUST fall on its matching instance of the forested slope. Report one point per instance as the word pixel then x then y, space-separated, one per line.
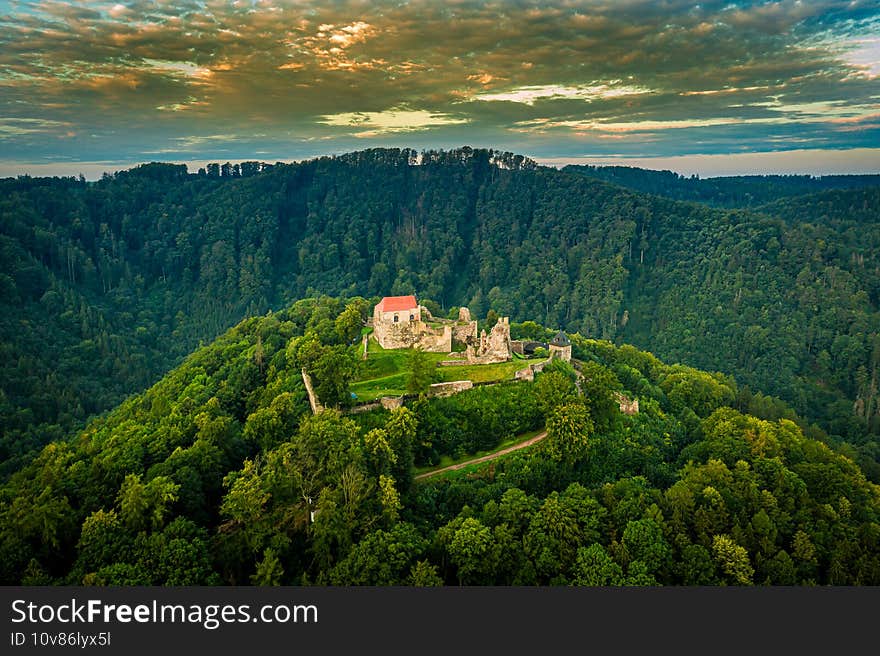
pixel 220 474
pixel 728 191
pixel 107 285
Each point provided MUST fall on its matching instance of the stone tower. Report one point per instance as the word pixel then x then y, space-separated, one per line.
pixel 560 347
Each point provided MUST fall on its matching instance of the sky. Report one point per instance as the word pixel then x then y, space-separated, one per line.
pixel 714 88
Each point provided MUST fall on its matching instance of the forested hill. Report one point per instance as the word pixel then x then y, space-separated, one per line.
pixel 107 285
pixel 220 474
pixel 729 191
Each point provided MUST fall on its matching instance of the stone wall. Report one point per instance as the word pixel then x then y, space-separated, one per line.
pixel 313 398
pixel 492 348
pixel 453 363
pixel 525 374
pixel 529 372
pixel 409 334
pixel 465 333
pixel 562 352
pixel 450 388
pixel 391 402
pixel 364 407
pixel 627 406
pixel 436 342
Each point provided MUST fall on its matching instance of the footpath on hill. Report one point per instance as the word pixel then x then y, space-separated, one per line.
pixel 515 447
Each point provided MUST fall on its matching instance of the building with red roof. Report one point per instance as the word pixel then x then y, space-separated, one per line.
pixel 398 304
pixel 397 323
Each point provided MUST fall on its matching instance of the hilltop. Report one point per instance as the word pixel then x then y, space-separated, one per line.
pixel 221 473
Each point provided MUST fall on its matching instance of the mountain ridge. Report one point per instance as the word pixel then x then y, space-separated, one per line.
pixel 124 276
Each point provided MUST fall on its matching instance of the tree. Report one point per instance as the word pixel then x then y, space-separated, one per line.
pixel 644 542
pixel 332 372
pixel 733 560
pixel 424 574
pixel 595 568
pixel 402 428
pixel 349 323
pixel 469 549
pixel 422 372
pixel 390 499
pixel 554 389
pixel 598 386
pixel 379 455
pixel 269 427
pixel 143 506
pixel 269 570
pixel 382 558
pixel 569 429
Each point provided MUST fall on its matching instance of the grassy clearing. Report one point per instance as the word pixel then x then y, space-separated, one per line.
pixel 370 390
pixel 381 362
pixel 385 372
pixel 481 373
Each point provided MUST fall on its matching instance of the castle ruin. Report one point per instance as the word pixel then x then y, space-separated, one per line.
pixel 491 348
pixel 399 322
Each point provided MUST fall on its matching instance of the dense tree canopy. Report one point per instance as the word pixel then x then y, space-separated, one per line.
pixel 105 286
pixel 221 474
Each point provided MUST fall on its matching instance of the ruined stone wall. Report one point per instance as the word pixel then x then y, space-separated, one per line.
pixel 431 340
pixel 561 352
pixel 465 333
pixel 492 348
pixel 525 374
pixel 313 398
pixel 450 388
pixel 516 346
pixel 391 402
pixel 410 334
pixel 395 335
pixel 627 407
pixel 529 372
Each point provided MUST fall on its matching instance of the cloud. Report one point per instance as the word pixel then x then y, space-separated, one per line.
pixel 368 124
pixel 531 94
pixel 555 76
pixel 11 128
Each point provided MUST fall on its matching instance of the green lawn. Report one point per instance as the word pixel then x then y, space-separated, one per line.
pixel 381 362
pixel 480 373
pixel 384 372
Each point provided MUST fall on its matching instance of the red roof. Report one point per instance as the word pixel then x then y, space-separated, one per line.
pixel 397 303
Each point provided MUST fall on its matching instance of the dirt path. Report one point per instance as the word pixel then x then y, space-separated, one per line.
pixel 516 447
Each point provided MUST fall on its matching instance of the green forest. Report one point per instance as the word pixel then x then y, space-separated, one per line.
pixel 105 286
pixel 155 429
pixel 220 474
